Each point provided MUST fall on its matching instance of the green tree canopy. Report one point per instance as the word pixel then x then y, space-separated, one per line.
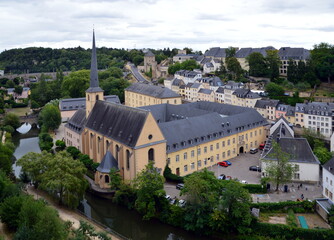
pixel 12 119
pixel 322 57
pixel 279 168
pixel 49 118
pixel 190 65
pixel 150 191
pixel 257 65
pixel 274 90
pixel 76 84
pixel 273 62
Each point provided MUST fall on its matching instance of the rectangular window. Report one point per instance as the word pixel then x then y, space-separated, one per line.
pixel 217 157
pixel 192 165
pixel 192 153
pixel 205 161
pixel 223 143
pixel 228 153
pixel 228 142
pixel 205 149
pixel 177 158
pixel 185 156
pixel 217 145
pixel 168 161
pixel 234 149
pixel 223 155
pixel 199 163
pixel 211 147
pixel 251 134
pixel 296 176
pixel 233 140
pixel 255 133
pixel 186 168
pixel 198 151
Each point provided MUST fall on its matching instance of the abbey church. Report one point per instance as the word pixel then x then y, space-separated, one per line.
pixel 187 137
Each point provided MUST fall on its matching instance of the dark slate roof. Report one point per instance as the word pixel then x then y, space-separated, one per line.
pixel 94 80
pixel 205 91
pixel 77 121
pixel 195 85
pixel 177 82
pixel 298 148
pixel 233 85
pixel 149 54
pixel 315 108
pixel 245 52
pixel 182 86
pixel 245 93
pixel 220 90
pixel 151 90
pixel 116 121
pixel 329 166
pixel 209 65
pixel 216 52
pixel 263 103
pixel 286 53
pixel 69 104
pixel 107 163
pixel 187 73
pixel 183 125
pixel 325 203
pixel 189 85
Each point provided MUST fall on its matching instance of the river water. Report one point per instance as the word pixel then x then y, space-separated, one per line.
pixel 126 222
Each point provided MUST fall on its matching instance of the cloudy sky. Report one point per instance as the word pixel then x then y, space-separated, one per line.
pixel 198 24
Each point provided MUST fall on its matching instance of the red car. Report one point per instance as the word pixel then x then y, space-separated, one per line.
pixel 223 164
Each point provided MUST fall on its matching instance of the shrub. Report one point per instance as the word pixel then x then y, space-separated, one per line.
pixel 9 129
pixel 169 176
pixel 255 188
pixel 60 144
pixel 45 141
pixel 291 218
pixel 73 151
pixel 297 207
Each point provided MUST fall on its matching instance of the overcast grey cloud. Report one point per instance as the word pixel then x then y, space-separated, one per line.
pixel 165 23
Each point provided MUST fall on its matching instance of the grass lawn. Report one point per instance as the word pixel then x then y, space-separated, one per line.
pixel 20 111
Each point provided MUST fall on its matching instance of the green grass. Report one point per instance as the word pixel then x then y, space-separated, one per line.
pixel 20 111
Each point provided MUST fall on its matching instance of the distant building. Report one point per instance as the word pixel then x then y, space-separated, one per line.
pixel 328 179
pixel 244 98
pixel 267 108
pixel 2 73
pixel 295 54
pixel 306 164
pixel 139 94
pixel 243 53
pixel 25 93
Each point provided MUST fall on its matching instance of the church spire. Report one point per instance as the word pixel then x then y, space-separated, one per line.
pixel 94 80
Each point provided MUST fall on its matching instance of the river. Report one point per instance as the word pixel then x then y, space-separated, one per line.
pixel 126 222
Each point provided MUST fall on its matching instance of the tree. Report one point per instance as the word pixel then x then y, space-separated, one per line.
pixel 202 190
pixel 190 65
pixel 76 83
pixel 274 90
pixel 331 216
pixel 49 118
pixel 12 119
pixel 115 178
pixel 6 154
pixel 150 191
pixel 312 137
pixel 322 153
pixel 115 86
pixel 18 89
pixel 273 62
pixel 234 67
pixel 257 65
pixel 322 57
pixel 10 209
pixel 87 232
pixel 64 178
pixel 235 203
pixel 230 52
pixel 278 168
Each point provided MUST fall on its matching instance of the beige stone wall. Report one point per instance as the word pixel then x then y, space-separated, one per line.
pixel 217 150
pixel 133 99
pixel 66 115
pixel 91 98
pixel 72 138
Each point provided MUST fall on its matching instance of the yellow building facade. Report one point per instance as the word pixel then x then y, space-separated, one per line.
pixel 138 95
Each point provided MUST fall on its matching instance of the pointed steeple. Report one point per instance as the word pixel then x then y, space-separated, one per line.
pixel 94 79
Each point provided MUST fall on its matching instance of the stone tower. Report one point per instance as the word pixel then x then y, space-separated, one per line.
pixel 94 92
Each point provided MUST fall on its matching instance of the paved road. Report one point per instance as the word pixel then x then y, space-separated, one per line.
pixel 136 73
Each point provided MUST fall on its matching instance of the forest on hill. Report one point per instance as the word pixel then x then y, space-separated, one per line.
pixel 38 59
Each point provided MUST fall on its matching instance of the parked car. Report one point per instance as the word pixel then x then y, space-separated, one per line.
pixel 223 164
pixel 244 181
pixel 261 147
pixel 222 177
pixel 228 178
pixel 168 197
pixel 228 162
pixel 253 150
pixel 182 203
pixel 255 168
pixel 179 186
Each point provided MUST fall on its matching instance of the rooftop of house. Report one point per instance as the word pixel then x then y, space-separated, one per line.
pixel 315 108
pixel 325 203
pixel 189 124
pixel 177 82
pixel 70 104
pixel 149 54
pixel 152 90
pixel 220 90
pixel 245 52
pixel 264 103
pixel 329 166
pixel 245 93
pixel 205 91
pixel 216 52
pixel 77 121
pixel 286 53
pixel 213 81
pixel 187 73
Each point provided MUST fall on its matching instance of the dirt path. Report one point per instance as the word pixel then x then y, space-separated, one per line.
pixel 66 214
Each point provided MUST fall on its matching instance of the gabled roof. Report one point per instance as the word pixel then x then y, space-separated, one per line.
pixel 195 85
pixel 315 108
pixel 298 148
pixel 245 93
pixel 329 166
pixel 77 121
pixel 216 52
pixel 245 52
pixel 70 104
pixel 205 91
pixel 209 65
pixel 263 103
pixel 107 163
pixel 116 121
pixel 151 90
pixel 220 90
pixel 177 82
pixel 149 54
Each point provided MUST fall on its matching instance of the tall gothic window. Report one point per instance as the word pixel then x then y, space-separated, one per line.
pixel 127 159
pixel 151 154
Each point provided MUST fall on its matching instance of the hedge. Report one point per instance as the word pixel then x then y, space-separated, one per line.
pixel 255 188
pixel 297 207
pixel 286 232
